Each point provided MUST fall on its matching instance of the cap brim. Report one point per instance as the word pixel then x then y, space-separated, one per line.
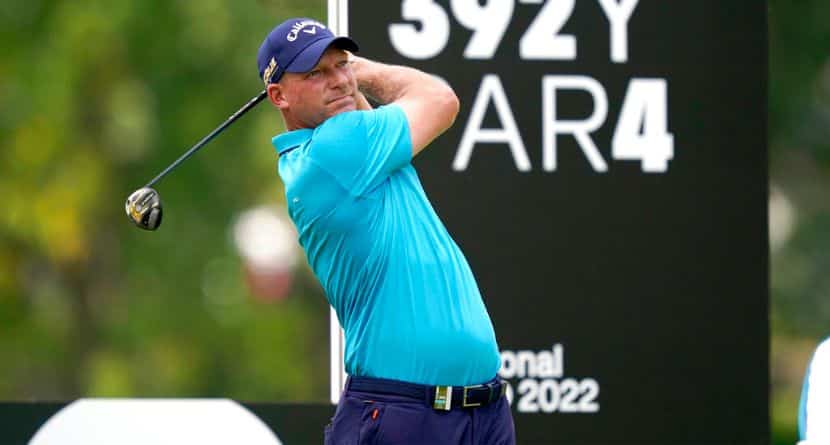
pixel 309 57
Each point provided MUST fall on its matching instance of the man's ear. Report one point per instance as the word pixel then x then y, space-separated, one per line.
pixel 276 96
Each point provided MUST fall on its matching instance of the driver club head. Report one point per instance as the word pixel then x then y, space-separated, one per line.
pixel 144 208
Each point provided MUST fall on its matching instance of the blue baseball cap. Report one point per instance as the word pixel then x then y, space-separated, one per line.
pixel 295 46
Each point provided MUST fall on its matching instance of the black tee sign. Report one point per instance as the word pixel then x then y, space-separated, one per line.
pixel 607 180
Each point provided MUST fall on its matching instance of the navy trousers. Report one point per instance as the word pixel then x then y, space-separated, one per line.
pixel 376 418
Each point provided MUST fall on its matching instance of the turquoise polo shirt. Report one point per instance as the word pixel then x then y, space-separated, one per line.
pixel 403 291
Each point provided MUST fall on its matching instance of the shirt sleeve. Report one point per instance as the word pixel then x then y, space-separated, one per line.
pixel 361 149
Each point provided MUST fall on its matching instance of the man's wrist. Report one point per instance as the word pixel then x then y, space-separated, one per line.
pixel 361 70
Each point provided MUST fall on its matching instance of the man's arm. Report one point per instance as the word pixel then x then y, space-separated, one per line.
pixel 430 104
pixel 362 103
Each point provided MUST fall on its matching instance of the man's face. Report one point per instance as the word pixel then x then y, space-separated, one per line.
pixel 328 89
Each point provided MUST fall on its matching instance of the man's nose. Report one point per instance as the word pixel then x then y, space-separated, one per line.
pixel 339 78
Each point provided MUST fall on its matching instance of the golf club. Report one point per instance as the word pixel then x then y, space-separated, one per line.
pixel 144 205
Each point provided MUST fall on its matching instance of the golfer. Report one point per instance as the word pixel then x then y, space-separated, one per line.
pixel 421 352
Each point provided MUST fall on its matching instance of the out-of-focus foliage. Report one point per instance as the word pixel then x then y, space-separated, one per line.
pixel 97 98
pixel 799 129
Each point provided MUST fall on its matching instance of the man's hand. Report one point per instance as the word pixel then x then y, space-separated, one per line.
pixel 361 101
pixel 359 98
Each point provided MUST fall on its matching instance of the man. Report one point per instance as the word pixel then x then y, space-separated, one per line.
pixel 421 352
pixel 814 409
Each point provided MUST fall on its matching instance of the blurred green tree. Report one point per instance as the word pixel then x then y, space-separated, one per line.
pixel 98 97
pixel 799 142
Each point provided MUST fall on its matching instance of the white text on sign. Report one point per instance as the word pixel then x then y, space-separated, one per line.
pixel 642 131
pixel 542 39
pixel 540 386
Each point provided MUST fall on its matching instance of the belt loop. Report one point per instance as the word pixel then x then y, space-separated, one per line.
pixel 495 390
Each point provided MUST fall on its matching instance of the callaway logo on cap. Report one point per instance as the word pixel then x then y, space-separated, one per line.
pixel 306 26
pixel 295 46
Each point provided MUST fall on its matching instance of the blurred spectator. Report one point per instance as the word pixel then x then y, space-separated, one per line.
pixel 814 410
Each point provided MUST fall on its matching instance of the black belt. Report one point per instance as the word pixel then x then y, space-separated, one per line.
pixel 438 397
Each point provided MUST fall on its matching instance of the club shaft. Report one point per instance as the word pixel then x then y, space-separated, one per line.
pixel 251 103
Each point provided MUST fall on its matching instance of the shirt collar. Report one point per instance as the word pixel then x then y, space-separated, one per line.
pixel 291 139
